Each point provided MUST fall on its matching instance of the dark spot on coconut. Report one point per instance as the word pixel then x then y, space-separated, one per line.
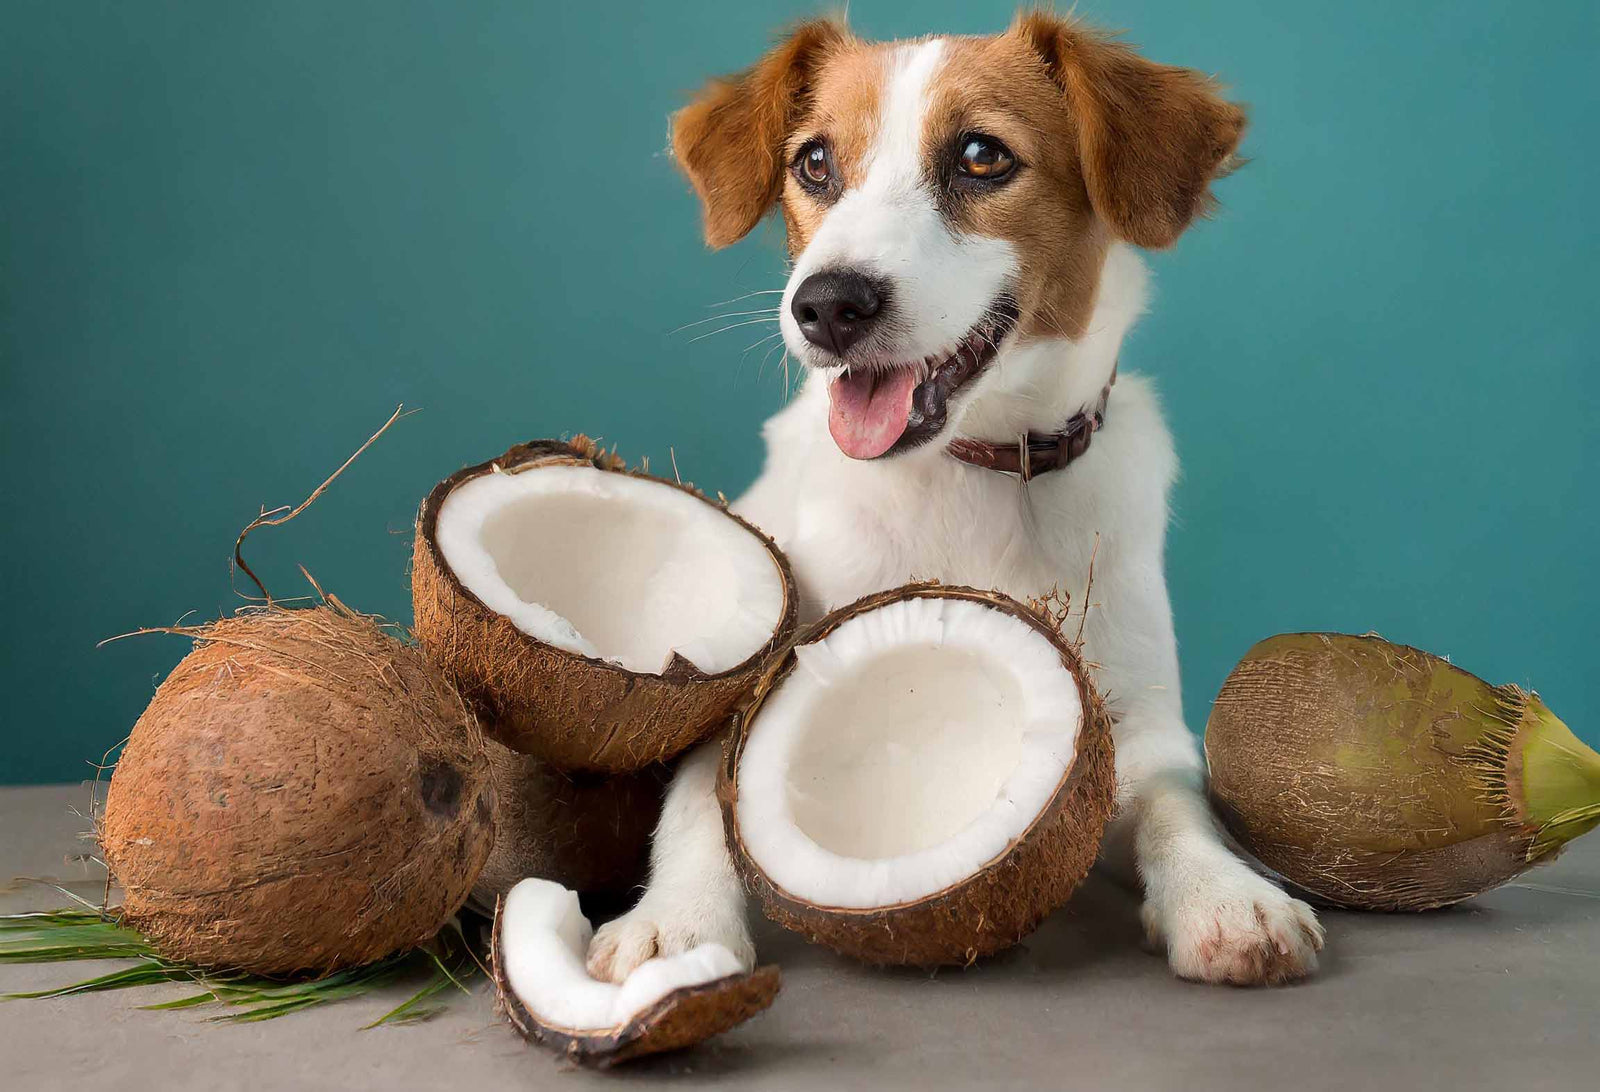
pixel 484 809
pixel 440 784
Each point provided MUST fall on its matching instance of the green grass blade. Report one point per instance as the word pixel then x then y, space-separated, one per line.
pixel 455 947
pixel 190 1002
pixel 145 974
pixel 414 1009
pixel 58 935
pixel 35 919
pixel 67 934
pixel 267 1012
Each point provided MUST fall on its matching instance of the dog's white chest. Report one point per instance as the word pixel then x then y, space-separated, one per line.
pixel 954 524
pixel 851 528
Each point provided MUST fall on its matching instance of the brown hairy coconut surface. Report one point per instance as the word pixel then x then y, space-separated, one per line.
pixel 1005 899
pixel 303 793
pixel 574 711
pixel 586 831
pixel 684 1017
pixel 1377 776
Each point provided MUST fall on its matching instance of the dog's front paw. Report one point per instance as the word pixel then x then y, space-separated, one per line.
pixel 658 927
pixel 1234 927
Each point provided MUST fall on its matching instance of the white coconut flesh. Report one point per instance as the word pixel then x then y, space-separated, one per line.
pixel 614 567
pixel 906 750
pixel 543 939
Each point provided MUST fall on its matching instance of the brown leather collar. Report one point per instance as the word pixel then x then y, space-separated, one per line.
pixel 1037 453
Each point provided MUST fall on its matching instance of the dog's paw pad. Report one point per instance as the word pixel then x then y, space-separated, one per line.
pixel 620 946
pixel 1245 934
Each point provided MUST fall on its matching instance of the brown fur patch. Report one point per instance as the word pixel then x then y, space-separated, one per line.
pixel 997 87
pixel 730 139
pixel 844 109
pixel 1111 146
pixel 1151 137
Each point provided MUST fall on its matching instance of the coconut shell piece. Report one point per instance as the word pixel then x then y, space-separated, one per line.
pixel 574 711
pixel 1001 902
pixel 1377 776
pixel 303 793
pixel 682 1018
pixel 587 831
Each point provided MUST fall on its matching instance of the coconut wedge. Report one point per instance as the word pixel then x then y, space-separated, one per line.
pixel 603 619
pixel 922 779
pixel 1377 776
pixel 539 940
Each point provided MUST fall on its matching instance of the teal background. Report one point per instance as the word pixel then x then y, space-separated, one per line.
pixel 234 235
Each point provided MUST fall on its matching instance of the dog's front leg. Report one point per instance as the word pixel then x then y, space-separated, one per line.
pixel 1218 919
pixel 694 895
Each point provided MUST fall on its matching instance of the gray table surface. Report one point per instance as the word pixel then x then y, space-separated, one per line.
pixel 1502 993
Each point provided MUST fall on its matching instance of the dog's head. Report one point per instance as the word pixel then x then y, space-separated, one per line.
pixel 947 198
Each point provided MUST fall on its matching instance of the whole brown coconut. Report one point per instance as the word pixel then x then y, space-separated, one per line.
pixel 586 831
pixel 573 710
pixel 303 793
pixel 1028 873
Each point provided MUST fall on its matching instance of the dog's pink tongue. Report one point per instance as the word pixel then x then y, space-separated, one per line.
pixel 867 411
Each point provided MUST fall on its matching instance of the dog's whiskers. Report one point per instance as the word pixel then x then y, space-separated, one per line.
pixel 725 315
pixel 767 356
pixel 734 326
pixel 744 357
pixel 747 295
pixel 756 344
pixel 788 383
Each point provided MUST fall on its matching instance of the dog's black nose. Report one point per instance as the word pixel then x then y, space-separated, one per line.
pixel 837 308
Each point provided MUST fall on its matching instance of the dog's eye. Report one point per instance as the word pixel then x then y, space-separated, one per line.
pixel 985 158
pixel 813 164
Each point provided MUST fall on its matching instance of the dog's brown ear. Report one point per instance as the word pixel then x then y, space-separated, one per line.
pixel 729 140
pixel 1151 137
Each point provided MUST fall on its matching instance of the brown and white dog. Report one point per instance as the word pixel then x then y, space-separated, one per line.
pixel 961 215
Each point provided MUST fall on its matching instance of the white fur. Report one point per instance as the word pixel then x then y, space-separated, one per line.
pixel 852 527
pixel 889 225
pixel 694 896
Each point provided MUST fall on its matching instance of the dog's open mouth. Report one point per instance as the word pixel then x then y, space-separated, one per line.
pixel 877 410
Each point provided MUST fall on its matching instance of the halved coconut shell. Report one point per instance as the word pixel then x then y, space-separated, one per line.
pixel 602 618
pixel 537 953
pixel 922 779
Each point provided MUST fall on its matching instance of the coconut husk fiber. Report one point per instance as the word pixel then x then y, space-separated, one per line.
pixel 303 793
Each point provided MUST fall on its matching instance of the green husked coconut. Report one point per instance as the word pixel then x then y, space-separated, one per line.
pixel 1380 777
